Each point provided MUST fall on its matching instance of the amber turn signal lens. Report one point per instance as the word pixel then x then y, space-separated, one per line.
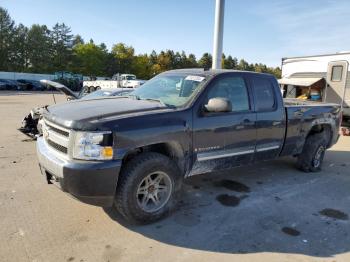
pixel 107 152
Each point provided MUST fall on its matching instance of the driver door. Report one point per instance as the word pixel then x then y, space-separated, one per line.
pixel 225 139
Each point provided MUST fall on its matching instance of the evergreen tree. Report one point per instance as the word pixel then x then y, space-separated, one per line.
pixel 205 61
pixel 62 43
pixel 19 60
pixel 77 40
pixel 39 49
pixel 7 31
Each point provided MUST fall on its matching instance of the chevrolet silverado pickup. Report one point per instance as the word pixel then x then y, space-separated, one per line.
pixel 133 152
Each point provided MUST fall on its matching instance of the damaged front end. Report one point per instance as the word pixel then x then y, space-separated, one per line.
pixel 31 123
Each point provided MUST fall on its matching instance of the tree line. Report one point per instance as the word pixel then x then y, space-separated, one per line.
pixel 40 49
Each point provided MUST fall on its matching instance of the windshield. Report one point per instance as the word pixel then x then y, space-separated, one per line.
pixel 170 89
pixel 130 77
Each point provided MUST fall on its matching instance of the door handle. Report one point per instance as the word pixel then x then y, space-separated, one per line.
pixel 276 123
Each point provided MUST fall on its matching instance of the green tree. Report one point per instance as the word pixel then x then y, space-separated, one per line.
pixel 153 57
pixel 177 61
pixel 244 65
pixel 90 59
pixel 7 31
pixel 164 61
pixel 124 56
pixel 62 43
pixel 188 61
pixel 39 49
pixel 142 66
pixel 19 57
pixel 230 63
pixel 205 61
pixel 192 61
pixel 78 40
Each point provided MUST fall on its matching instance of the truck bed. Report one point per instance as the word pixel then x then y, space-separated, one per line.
pixel 301 116
pixel 288 102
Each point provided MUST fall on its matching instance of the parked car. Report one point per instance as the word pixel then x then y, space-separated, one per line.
pixel 134 152
pixel 31 85
pixel 7 84
pixel 107 92
pixel 3 85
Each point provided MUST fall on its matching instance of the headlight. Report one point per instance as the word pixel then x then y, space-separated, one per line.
pixel 40 125
pixel 93 146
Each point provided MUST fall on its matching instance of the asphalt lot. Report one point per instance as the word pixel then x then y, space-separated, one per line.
pixel 266 212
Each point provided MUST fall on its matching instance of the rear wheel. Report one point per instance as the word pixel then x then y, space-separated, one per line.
pixel 147 188
pixel 311 158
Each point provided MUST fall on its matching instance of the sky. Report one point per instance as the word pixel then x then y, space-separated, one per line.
pixel 260 31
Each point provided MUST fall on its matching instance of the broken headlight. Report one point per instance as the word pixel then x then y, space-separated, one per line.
pixel 93 146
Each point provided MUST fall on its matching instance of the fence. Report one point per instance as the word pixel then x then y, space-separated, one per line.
pixel 27 76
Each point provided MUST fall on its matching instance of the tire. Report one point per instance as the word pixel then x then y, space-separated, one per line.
pixel 136 197
pixel 311 158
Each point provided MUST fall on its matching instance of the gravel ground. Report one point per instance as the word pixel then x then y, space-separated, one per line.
pixel 267 212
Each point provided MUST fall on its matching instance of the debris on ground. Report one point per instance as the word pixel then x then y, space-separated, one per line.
pixel 345 131
pixel 333 213
pixel 290 231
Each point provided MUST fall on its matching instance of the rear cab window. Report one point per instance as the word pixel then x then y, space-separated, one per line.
pixel 264 94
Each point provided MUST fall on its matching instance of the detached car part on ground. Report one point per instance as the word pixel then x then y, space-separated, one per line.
pixel 30 123
pixel 133 152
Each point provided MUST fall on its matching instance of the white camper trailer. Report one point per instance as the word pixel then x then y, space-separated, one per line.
pixel 320 78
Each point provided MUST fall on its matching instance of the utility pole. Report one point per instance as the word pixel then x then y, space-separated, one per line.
pixel 218 33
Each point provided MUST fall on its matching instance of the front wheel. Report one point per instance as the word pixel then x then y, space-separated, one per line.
pixel 147 188
pixel 311 158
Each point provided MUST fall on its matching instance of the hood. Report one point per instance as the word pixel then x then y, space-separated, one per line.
pixel 58 86
pixel 83 114
pixel 67 92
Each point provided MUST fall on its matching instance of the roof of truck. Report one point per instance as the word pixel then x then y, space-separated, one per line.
pixel 210 72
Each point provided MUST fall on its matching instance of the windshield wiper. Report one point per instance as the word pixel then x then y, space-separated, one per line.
pixel 151 99
pixel 159 101
pixel 134 96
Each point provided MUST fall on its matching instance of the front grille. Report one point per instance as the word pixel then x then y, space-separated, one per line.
pixel 56 137
pixel 57 146
pixel 57 130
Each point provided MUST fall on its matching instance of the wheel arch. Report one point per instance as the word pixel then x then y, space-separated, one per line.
pixel 171 149
pixel 322 127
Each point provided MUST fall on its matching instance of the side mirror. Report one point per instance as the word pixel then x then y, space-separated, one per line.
pixel 69 98
pixel 218 104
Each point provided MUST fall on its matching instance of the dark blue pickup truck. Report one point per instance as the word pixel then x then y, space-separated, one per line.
pixel 133 152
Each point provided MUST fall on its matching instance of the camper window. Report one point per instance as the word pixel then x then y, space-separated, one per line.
pixel 337 72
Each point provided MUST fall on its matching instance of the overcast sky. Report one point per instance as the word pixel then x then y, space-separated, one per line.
pixel 259 31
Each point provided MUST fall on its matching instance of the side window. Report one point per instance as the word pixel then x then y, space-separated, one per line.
pixel 264 94
pixel 234 89
pixel 337 72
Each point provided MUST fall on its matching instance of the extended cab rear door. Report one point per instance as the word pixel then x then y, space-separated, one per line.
pixel 270 114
